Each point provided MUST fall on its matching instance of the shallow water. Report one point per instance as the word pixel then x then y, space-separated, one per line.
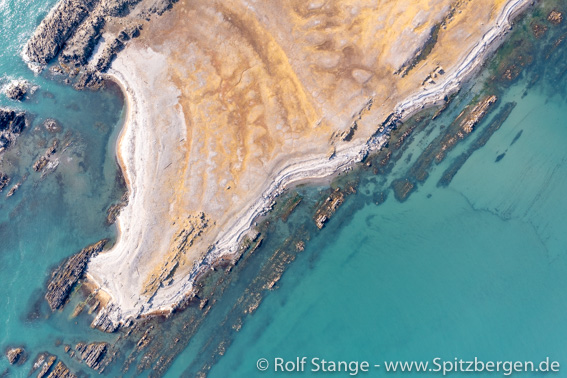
pixel 51 217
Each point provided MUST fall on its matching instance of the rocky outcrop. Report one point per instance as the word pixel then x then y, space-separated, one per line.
pixel 112 48
pixel 16 186
pixel 114 210
pixel 464 125
pixel 43 362
pixel 44 163
pixel 485 134
pixel 92 354
pixel 73 30
pixel 66 276
pixel 81 46
pixel 61 371
pixel 331 204
pixel 56 29
pixel 191 229
pixel 328 208
pixel 14 355
pixel 555 17
pixel 17 89
pixel 161 6
pixel 11 125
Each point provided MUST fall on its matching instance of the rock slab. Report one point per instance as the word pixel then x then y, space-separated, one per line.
pixel 92 354
pixel 66 275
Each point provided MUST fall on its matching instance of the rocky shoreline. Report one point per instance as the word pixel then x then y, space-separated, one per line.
pixel 85 36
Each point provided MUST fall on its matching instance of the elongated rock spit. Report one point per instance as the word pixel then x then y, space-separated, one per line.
pixel 66 276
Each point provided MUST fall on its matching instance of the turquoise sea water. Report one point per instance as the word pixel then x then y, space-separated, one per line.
pixel 49 218
pixel 476 269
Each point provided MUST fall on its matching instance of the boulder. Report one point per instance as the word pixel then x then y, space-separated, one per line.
pixel 17 89
pixel 14 354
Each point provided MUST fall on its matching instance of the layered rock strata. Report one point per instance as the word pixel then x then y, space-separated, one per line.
pixel 68 274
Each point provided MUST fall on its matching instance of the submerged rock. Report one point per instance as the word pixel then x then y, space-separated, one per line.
pixel 402 189
pixel 66 276
pixel 92 354
pixel 52 126
pixel 4 181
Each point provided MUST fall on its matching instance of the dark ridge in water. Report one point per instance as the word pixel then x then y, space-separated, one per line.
pixel 518 135
pixel 500 157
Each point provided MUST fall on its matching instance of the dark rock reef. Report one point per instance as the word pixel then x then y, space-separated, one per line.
pixel 12 123
pixel 92 354
pixel 66 276
pixel 73 31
